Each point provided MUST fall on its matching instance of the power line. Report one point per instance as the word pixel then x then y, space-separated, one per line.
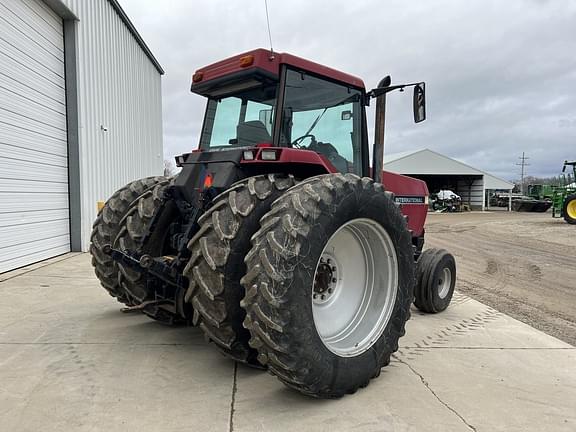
pixel 268 23
pixel 522 164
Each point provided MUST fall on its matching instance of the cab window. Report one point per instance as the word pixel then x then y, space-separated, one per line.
pixel 245 119
pixel 323 116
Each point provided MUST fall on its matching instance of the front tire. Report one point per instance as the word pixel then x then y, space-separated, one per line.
pixel 435 280
pixel 319 350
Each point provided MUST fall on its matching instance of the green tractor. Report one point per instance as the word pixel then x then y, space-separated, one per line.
pixel 564 197
pixel 540 191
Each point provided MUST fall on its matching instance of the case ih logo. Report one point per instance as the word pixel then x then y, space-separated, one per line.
pixel 409 199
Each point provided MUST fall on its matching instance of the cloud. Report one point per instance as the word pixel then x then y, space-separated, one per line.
pixel 500 75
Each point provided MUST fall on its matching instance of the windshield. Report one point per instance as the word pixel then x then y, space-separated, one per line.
pixel 244 119
pixel 325 117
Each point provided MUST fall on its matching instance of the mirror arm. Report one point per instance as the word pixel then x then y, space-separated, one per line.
pixel 383 90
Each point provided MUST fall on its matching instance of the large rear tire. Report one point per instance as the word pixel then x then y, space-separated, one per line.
pixel 329 285
pixel 145 230
pixel 569 209
pixel 105 230
pixel 217 261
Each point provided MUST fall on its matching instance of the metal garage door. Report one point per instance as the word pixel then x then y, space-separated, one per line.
pixel 33 146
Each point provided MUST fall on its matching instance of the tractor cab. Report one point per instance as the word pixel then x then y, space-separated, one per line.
pixel 282 101
pixel 262 99
pixel 569 165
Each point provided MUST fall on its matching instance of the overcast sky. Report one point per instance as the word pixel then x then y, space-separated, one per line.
pixel 500 75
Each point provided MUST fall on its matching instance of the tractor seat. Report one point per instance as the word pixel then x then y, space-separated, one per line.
pixel 252 133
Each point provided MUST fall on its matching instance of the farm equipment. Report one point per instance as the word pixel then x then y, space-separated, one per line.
pixel 276 238
pixel 499 199
pixel 564 197
pixel 541 191
pixel 538 199
pixel 446 201
pixel 530 204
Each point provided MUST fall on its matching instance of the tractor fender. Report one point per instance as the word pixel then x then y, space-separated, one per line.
pixel 412 196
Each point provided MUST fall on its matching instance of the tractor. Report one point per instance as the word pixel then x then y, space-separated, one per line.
pixel 564 197
pixel 277 238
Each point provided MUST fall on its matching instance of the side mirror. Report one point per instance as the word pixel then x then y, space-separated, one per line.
pixel 419 103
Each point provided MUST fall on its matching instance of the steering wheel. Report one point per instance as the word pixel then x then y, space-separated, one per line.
pixel 297 141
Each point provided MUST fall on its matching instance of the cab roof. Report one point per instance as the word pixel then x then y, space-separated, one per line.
pixel 268 63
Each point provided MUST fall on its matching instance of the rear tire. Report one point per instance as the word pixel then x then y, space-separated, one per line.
pixel 145 230
pixel 105 230
pixel 286 269
pixel 569 209
pixel 435 280
pixel 217 261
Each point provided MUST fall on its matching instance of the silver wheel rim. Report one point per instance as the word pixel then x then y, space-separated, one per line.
pixel 444 282
pixel 354 288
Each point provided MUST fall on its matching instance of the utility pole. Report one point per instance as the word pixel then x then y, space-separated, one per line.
pixel 522 164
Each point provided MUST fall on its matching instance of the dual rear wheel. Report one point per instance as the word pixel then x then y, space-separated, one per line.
pixel 109 226
pixel 313 281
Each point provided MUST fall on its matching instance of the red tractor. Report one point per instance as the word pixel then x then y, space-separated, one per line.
pixel 276 238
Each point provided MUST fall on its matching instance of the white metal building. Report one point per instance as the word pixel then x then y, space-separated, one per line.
pixel 80 116
pixel 442 172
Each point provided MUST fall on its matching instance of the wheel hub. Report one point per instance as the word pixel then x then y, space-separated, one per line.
pixel 326 279
pixel 444 282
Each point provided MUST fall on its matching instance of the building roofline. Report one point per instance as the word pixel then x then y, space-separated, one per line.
pixel 479 171
pixel 404 154
pixel 136 35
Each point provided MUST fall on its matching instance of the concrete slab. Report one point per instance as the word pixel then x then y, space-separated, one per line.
pixel 512 390
pixel 113 387
pixel 70 360
pixel 396 401
pixel 37 266
pixel 471 324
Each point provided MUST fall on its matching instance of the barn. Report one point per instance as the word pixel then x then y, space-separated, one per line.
pixel 80 116
pixel 442 172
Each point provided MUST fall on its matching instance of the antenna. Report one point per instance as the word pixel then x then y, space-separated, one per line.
pixel 268 23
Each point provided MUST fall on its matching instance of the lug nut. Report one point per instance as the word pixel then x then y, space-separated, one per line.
pixel 334 268
pixel 315 295
pixel 329 290
pixel 334 280
pixel 328 260
pixel 322 297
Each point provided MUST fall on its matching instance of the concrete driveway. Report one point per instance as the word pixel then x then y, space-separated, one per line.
pixel 71 361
